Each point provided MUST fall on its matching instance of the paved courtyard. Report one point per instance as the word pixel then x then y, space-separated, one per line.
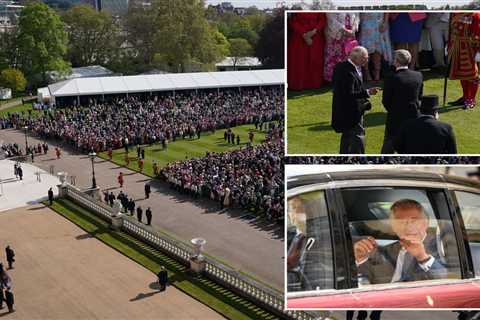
pixel 62 273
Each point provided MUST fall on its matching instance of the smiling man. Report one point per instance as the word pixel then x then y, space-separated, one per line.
pixel 412 258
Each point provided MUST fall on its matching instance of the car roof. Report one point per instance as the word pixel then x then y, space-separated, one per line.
pixel 375 174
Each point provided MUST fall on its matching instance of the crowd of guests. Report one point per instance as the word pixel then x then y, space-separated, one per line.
pixel 318 41
pixel 250 178
pixel 161 119
pixel 10 150
pixel 382 160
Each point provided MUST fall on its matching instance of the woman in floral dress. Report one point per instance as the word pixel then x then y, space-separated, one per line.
pixel 340 39
pixel 374 36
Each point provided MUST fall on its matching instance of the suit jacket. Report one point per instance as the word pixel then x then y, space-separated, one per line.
pixel 401 98
pixel 426 135
pixel 347 90
pixel 380 267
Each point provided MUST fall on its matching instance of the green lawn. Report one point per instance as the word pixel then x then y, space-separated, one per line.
pixel 222 300
pixel 23 107
pixel 309 116
pixel 185 149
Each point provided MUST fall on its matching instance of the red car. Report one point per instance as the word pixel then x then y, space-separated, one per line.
pixel 347 249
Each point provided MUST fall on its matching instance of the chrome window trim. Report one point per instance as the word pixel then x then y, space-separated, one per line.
pixel 382 287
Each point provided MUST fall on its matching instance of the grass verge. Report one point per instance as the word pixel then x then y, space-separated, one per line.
pixel 220 299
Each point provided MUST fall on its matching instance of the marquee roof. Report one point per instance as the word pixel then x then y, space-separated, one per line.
pixel 165 82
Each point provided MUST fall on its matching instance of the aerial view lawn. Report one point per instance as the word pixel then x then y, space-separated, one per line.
pixel 182 149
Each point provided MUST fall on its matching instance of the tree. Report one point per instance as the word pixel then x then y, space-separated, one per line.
pixel 322 5
pixel 140 35
pixel 93 36
pixel 13 79
pixel 8 49
pixel 42 41
pixel 270 46
pixel 239 49
pixel 183 36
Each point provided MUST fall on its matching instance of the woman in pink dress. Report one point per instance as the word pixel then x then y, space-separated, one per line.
pixel 340 39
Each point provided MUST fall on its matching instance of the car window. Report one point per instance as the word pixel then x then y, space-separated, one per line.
pixel 309 256
pixel 401 235
pixel 470 209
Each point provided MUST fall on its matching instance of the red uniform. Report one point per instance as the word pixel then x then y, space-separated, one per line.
pixel 120 180
pixel 464 43
pixel 305 62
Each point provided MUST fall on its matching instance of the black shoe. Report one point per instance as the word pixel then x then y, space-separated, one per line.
pixel 458 102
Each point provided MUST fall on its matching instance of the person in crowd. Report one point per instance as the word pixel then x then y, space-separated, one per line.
pixel 375 37
pixel 139 213
pixel 148 215
pixel 401 97
pixel 437 24
pixel 148 190
pixel 120 179
pixel 162 276
pixel 412 258
pixel 111 198
pixel 6 284
pixel 406 31
pixel 306 45
pixel 426 134
pixel 20 172
pixel 463 46
pixel 131 206
pixel 50 196
pixel 340 39
pixel 10 256
pixel 350 101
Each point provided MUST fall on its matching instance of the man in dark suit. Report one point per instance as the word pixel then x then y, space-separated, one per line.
pixel 350 101
pixel 412 258
pixel 426 134
pixel 401 97
pixel 10 256
pixel 50 196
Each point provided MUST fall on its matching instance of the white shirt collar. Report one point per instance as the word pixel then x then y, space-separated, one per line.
pixel 401 68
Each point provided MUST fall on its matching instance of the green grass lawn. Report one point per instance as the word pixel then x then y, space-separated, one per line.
pixel 185 149
pixel 309 117
pixel 23 107
pixel 222 300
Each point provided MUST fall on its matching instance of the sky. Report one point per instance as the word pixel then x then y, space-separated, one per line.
pixel 262 4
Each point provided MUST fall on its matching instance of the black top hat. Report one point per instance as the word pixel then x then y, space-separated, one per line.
pixel 429 104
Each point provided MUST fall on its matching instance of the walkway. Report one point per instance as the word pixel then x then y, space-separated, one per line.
pixel 62 273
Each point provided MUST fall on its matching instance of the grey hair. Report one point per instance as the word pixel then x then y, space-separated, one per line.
pixel 403 57
pixel 358 51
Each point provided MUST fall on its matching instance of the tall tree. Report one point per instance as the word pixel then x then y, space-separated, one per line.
pixel 270 46
pixel 239 49
pixel 42 41
pixel 93 36
pixel 183 35
pixel 140 31
pixel 8 49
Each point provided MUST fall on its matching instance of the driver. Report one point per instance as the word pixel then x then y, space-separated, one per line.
pixel 410 259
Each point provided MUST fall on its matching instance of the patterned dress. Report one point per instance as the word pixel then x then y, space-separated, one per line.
pixel 336 41
pixel 371 37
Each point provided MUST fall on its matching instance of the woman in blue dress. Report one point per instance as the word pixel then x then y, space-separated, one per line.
pixel 374 36
pixel 406 31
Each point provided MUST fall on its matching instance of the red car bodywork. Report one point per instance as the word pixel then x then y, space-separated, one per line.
pixel 464 295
